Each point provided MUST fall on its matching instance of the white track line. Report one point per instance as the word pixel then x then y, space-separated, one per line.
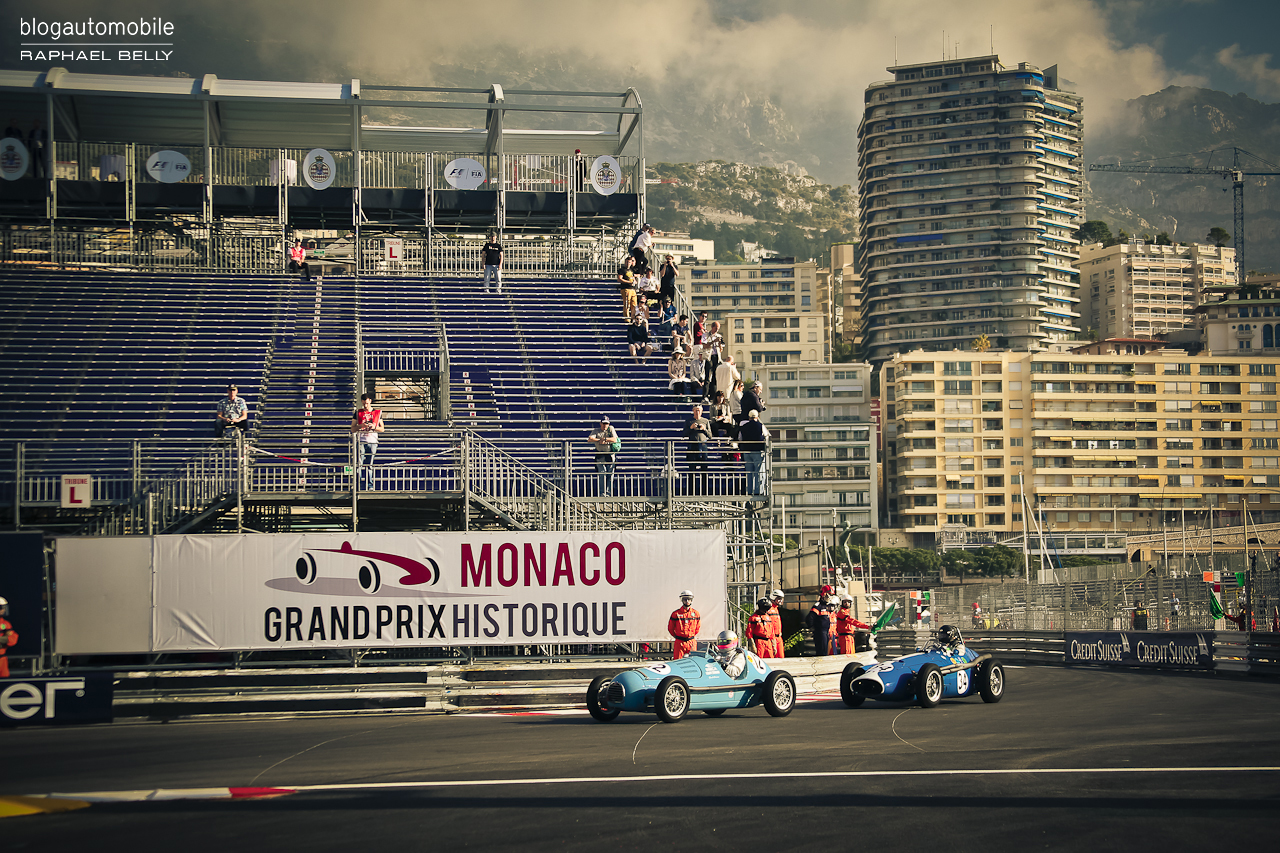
pixel 223 793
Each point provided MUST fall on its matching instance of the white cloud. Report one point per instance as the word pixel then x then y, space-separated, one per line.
pixel 1254 68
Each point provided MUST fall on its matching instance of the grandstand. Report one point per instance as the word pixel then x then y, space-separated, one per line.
pixel 126 306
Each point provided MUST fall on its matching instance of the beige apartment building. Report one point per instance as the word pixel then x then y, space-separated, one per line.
pixel 1118 436
pixel 1142 290
pixel 771 313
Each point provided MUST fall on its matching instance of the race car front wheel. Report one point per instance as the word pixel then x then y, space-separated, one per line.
pixel 595 691
pixel 779 694
pixel 991 681
pixel 672 699
pixel 851 698
pixel 929 686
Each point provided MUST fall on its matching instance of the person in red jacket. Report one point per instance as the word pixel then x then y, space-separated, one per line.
pixel 8 637
pixel 760 629
pixel 845 625
pixel 683 626
pixel 775 603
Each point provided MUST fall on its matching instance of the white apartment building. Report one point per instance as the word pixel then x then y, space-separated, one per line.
pixel 682 247
pixel 824 449
pixel 969 192
pixel 1142 290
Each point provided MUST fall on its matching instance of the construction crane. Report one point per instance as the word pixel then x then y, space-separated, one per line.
pixel 1234 173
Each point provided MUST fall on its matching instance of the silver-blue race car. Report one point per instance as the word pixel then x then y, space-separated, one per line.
pixel 944 669
pixel 698 682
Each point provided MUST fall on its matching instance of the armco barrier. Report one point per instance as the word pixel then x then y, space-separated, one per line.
pixel 1253 653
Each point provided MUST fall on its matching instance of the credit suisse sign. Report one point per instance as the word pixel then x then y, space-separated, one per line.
pixel 1151 649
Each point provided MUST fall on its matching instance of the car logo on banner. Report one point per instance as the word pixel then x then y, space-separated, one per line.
pixel 464 173
pixel 168 167
pixel 319 169
pixel 13 158
pixel 366 570
pixel 606 175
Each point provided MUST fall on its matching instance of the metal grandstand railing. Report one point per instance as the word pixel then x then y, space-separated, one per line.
pixel 207 483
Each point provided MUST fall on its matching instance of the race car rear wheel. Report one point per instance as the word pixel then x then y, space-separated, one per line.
pixel 991 681
pixel 779 694
pixel 929 686
pixel 672 699
pixel 850 698
pixel 713 712
pixel 599 710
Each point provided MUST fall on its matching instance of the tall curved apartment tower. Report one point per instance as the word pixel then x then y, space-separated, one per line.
pixel 970 177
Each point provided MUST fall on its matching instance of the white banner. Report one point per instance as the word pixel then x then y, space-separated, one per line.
pixel 370 590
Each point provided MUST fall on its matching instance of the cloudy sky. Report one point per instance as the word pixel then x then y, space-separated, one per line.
pixel 809 57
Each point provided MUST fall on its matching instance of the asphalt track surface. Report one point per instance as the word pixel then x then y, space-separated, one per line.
pixel 1070 760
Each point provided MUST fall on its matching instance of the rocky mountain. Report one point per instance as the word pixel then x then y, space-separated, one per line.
pixel 1175 127
pixel 793 214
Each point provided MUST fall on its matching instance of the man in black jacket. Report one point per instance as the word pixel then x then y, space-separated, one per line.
pixel 751 400
pixel 818 621
pixel 697 431
pixel 753 441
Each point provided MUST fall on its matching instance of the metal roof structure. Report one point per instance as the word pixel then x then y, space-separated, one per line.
pixel 211 111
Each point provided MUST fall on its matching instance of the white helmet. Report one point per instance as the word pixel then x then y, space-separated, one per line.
pixel 684 593
pixel 776 595
pixel 848 598
pixel 726 642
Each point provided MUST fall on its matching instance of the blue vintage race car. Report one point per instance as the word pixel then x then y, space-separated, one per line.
pixel 944 669
pixel 698 683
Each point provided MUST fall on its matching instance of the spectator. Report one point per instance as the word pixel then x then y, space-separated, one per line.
pixel 760 630
pixel 753 440
pixel 582 169
pixel 698 372
pixel 491 256
pixel 818 621
pixel 13 131
pixel 681 334
pixel 647 285
pixel 627 287
pixel 721 418
pixel 727 375
pixel 36 143
pixel 666 323
pixel 678 374
pixel 697 432
pixel 711 343
pixel 232 412
pixel 641 244
pixel 735 405
pixel 8 637
pixel 638 343
pixel 668 275
pixel 606 441
pixel 683 626
pixel 298 260
pixel 366 423
pixel 699 329
pixel 751 400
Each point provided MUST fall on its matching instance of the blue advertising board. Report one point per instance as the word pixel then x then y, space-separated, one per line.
pixel 58 700
pixel 1150 649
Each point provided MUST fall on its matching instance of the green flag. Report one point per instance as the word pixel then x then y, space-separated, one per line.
pixel 884 617
pixel 1215 609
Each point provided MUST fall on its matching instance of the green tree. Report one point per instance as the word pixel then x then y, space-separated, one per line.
pixel 1095 231
pixel 1219 236
pixel 1163 239
pixel 843 351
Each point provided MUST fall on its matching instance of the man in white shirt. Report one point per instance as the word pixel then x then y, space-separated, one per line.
pixel 643 243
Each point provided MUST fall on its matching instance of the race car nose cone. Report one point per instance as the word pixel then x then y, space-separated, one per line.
pixel 868 684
